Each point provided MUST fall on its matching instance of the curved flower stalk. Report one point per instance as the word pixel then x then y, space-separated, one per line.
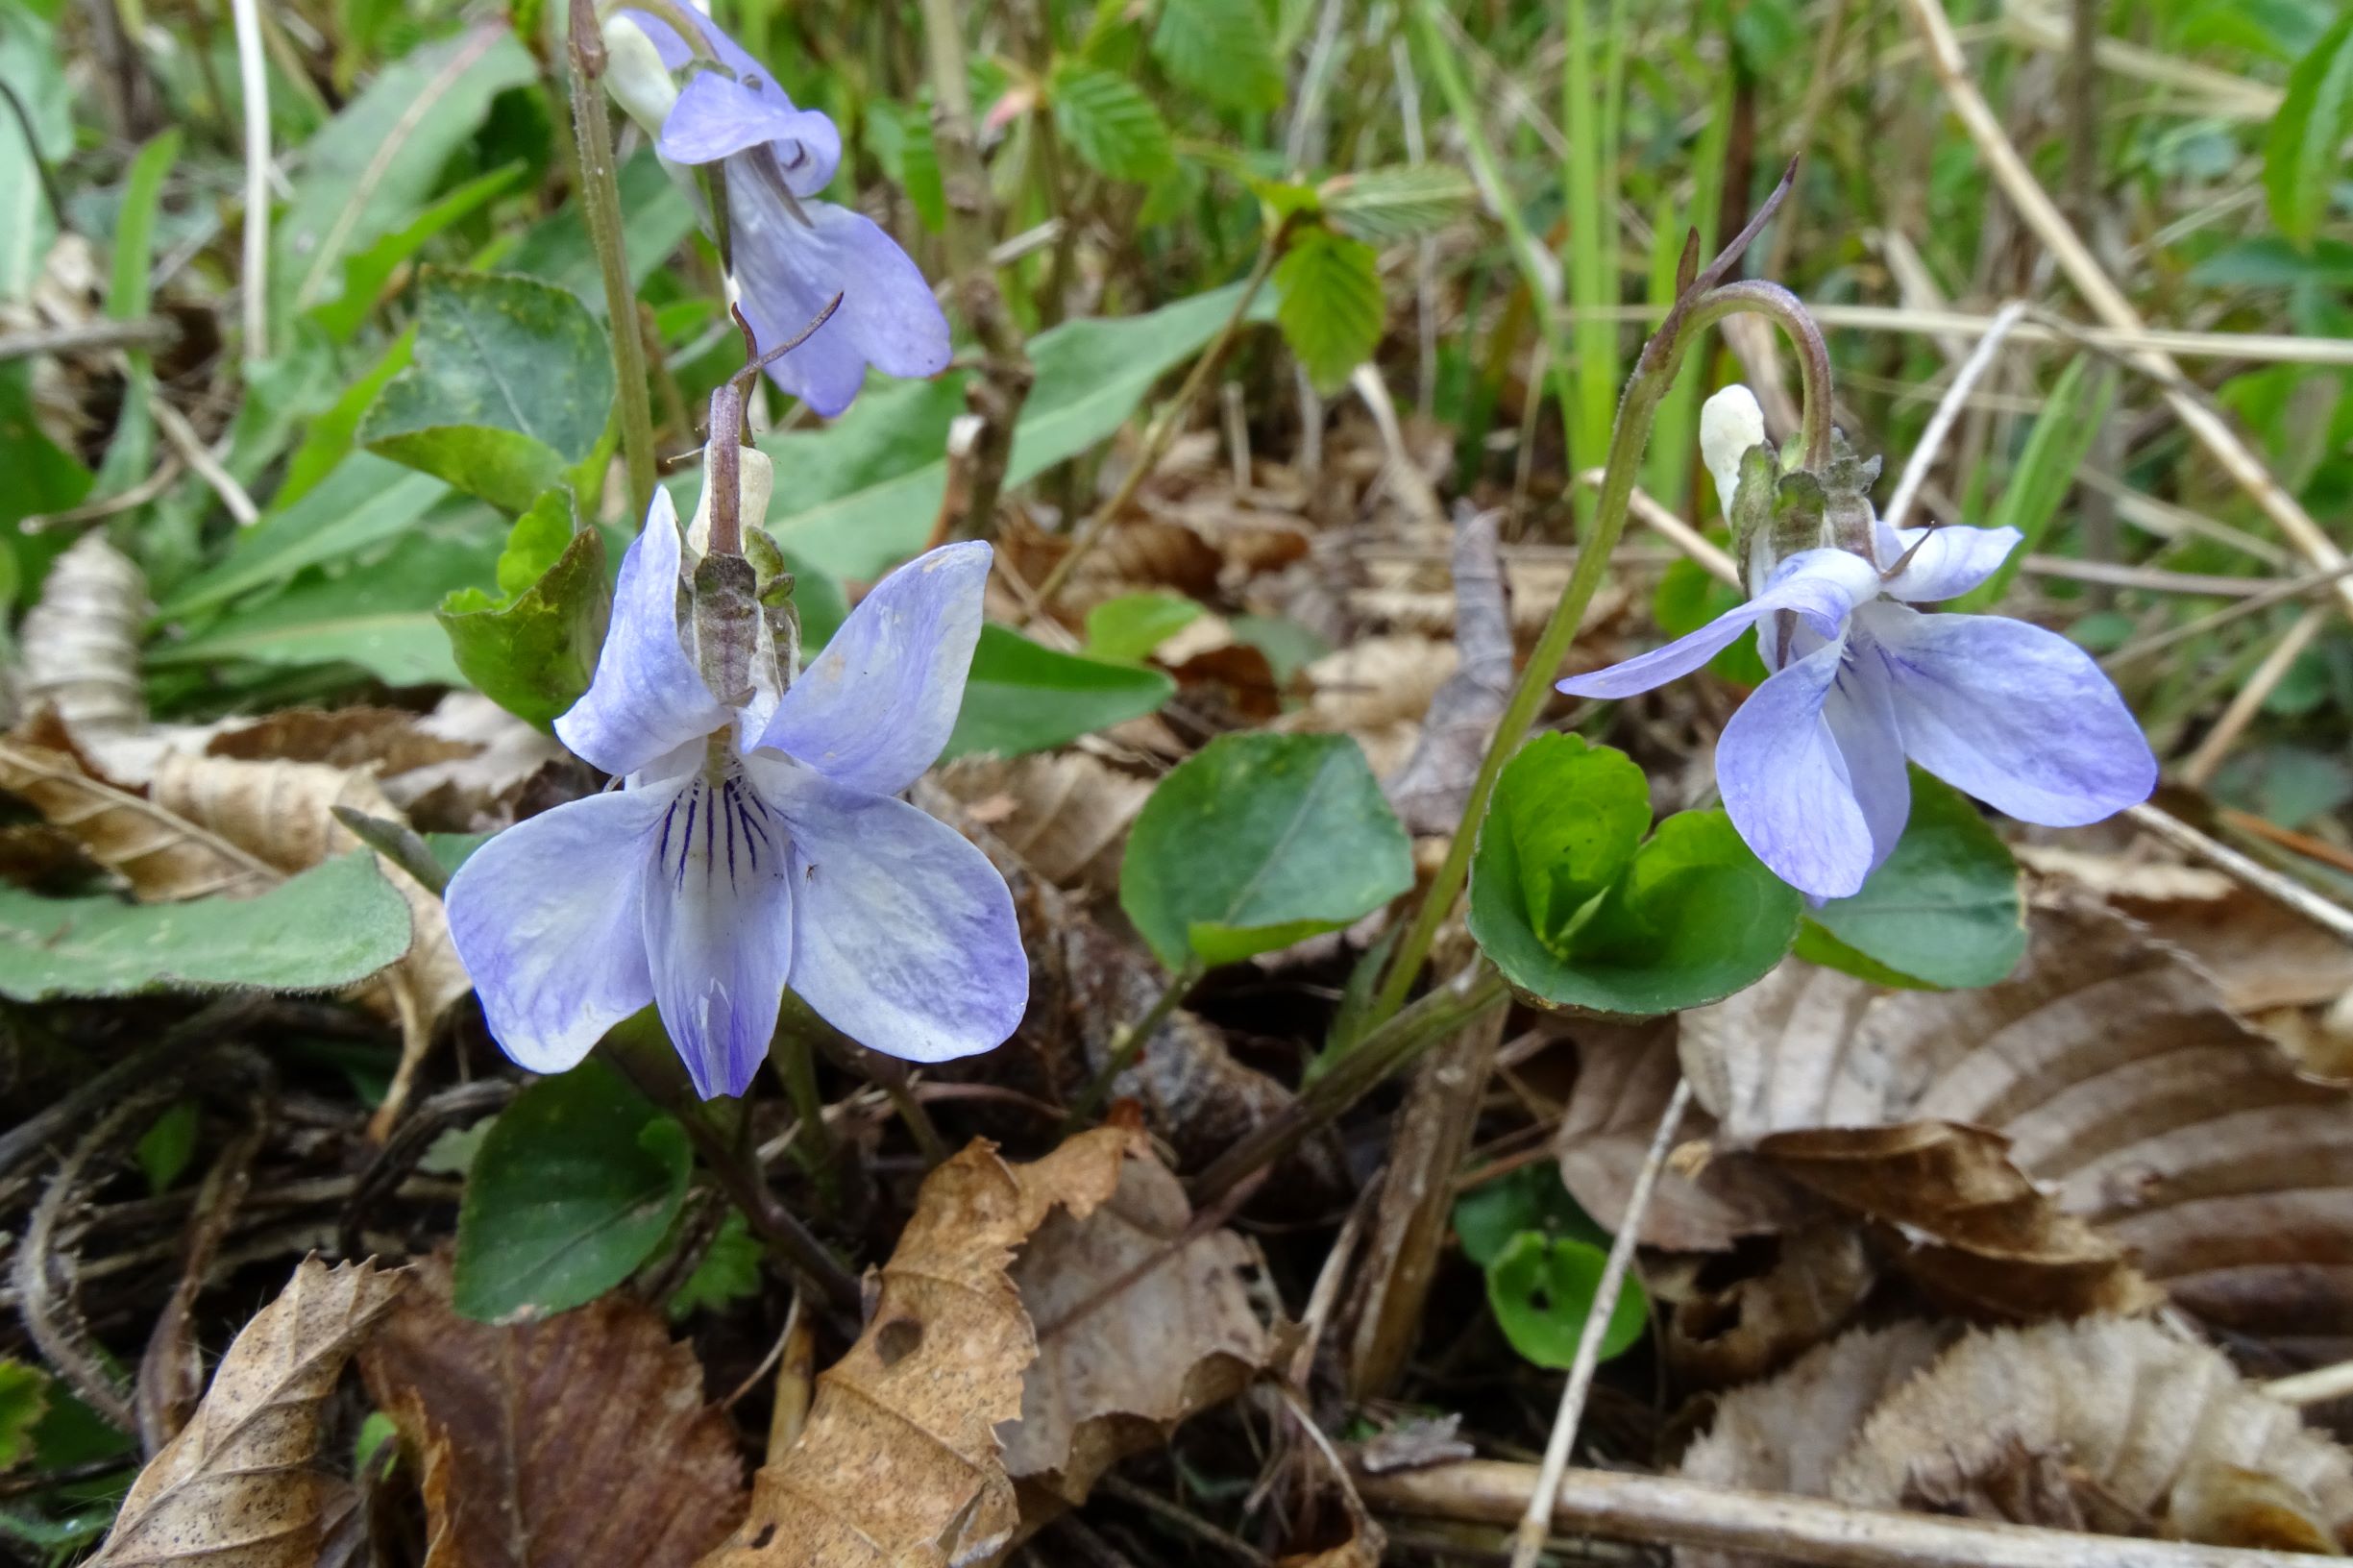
pixel 1812 766
pixel 789 254
pixel 752 848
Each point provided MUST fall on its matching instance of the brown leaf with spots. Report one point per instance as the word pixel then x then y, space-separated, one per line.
pixel 2094 1125
pixel 2110 1425
pixel 580 1439
pixel 900 1462
pixel 1139 1326
pixel 236 1488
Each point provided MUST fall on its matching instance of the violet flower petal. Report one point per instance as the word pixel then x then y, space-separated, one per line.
pixel 1945 562
pixel 1861 715
pixel 545 918
pixel 646 698
pixel 904 934
pixel 2019 717
pixel 873 709
pixel 815 145
pixel 1823 586
pixel 1786 787
pixel 716 118
pixel 717 929
pixel 787 270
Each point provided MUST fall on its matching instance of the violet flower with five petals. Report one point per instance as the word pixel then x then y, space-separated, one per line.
pixel 752 848
pixel 1812 766
pixel 790 253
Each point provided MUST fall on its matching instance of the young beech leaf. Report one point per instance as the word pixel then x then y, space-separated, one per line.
pixel 1257 841
pixel 1328 303
pixel 1945 910
pixel 1130 626
pixel 576 1185
pixel 1544 1288
pixel 1110 124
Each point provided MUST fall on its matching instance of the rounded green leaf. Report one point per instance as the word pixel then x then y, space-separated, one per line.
pixel 1491 1215
pixel 1130 626
pixel 1691 918
pixel 1575 815
pixel 1257 841
pixel 1543 1288
pixel 575 1187
pixel 1944 911
pixel 1022 696
pixel 534 652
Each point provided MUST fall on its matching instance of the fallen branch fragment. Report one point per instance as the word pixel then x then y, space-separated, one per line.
pixel 1662 1510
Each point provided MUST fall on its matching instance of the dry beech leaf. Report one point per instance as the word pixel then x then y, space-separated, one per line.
pixel 388 740
pixel 1729 1332
pixel 1377 681
pixel 2108 1425
pixel 580 1439
pixel 1626 1073
pixel 1138 1327
pixel 162 854
pixel 475 793
pixel 81 641
pixel 236 1489
pixel 899 1462
pixel 1064 813
pixel 2035 1140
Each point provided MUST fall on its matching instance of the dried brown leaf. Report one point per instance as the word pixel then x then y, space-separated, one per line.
pixel 1625 1076
pixel 1138 1328
pixel 1727 1332
pixel 2112 1425
pixel 1429 789
pixel 162 855
pixel 236 1489
pixel 1377 681
pixel 2036 1139
pixel 900 1462
pixel 1064 813
pixel 2095 1424
pixel 475 793
pixel 580 1439
pixel 81 641
pixel 388 740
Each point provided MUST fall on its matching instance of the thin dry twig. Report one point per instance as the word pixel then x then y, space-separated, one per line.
pixel 2251 698
pixel 2330 917
pixel 1940 423
pixel 1536 1523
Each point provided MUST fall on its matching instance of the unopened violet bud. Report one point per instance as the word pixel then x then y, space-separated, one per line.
pixel 635 76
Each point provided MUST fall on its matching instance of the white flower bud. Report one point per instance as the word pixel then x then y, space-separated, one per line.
pixel 1731 423
pixel 635 76
pixel 758 481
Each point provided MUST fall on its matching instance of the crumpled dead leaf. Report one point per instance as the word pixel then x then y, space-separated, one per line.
pixel 388 741
pixel 582 1438
pixel 1430 790
pixel 1138 1328
pixel 2026 1146
pixel 2112 1424
pixel 80 642
pixel 1725 1332
pixel 236 1488
pixel 900 1462
pixel 162 854
pixel 1064 813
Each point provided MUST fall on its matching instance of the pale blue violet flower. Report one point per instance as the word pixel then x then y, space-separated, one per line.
pixel 792 254
pixel 1812 766
pixel 751 848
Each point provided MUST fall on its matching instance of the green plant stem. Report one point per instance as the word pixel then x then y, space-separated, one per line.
pixel 1164 429
pixel 1591 178
pixel 600 204
pixel 1699 306
pixel 1371 1061
pixel 794 1057
pixel 1130 1043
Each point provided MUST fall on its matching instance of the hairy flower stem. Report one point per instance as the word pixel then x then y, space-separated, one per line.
pixel 640 1049
pixel 1699 304
pixel 600 204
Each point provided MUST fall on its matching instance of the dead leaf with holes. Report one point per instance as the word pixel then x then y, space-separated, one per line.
pixel 1140 1325
pixel 2110 1425
pixel 237 1487
pixel 900 1462
pixel 583 1438
pixel 2096 1127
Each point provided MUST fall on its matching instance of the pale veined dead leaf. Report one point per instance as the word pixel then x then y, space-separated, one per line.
pixel 237 1487
pixel 1064 813
pixel 1139 1326
pixel 901 1462
pixel 284 814
pixel 583 1438
pixel 474 792
pixel 80 642
pixel 162 855
pixel 389 741
pixel 1377 681
pixel 2056 1142
pixel 2115 1426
